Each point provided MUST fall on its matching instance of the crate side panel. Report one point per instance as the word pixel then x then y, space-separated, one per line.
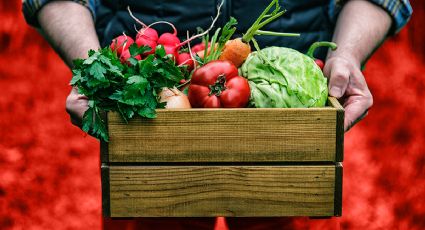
pixel 232 135
pixel 207 191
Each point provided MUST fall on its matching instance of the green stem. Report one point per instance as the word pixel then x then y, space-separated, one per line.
pixel 207 39
pixel 211 50
pixel 219 86
pixel 316 45
pixel 272 33
pixel 258 24
pixel 263 15
pixel 272 18
pixel 247 37
pixel 257 47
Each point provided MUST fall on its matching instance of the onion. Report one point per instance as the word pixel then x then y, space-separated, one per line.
pixel 175 99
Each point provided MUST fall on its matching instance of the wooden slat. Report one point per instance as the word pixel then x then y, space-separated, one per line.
pixel 340 114
pixel 226 135
pixel 338 189
pixel 104 170
pixel 104 146
pixel 206 191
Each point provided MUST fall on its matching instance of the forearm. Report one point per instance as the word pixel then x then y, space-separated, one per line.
pixel 69 28
pixel 360 29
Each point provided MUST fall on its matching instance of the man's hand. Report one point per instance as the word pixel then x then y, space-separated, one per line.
pixel 360 28
pixel 76 105
pixel 347 83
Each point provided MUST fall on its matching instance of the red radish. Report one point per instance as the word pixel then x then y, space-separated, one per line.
pixel 144 41
pixel 121 43
pixel 126 55
pixel 168 39
pixel 319 63
pixel 200 47
pixel 185 59
pixel 147 33
pixel 173 50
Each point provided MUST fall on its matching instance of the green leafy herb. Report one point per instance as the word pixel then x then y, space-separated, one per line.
pixel 127 89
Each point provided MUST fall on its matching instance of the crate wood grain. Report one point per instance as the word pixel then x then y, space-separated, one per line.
pixel 229 135
pixel 208 191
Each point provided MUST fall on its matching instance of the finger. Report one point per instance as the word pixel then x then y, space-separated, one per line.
pixel 355 110
pixel 358 101
pixel 339 79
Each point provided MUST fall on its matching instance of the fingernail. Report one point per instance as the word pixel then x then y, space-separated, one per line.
pixel 335 92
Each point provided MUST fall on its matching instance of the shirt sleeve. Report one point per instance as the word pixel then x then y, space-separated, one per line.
pixel 399 10
pixel 30 9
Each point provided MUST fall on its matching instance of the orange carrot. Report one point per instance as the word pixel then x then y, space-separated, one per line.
pixel 237 50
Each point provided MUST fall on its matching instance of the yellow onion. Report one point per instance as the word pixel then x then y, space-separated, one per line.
pixel 174 98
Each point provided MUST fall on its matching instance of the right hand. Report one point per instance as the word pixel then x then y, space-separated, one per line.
pixel 347 83
pixel 76 105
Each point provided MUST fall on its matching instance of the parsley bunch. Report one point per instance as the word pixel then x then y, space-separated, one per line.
pixel 129 89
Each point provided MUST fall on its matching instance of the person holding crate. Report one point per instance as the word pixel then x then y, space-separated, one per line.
pixel 357 26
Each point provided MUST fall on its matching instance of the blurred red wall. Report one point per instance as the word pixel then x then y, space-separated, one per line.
pixel 49 170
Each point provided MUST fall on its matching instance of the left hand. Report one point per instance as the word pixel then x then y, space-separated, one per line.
pixel 347 83
pixel 76 106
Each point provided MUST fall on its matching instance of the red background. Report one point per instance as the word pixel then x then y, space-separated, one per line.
pixel 49 170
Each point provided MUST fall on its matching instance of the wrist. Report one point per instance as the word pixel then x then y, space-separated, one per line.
pixel 346 56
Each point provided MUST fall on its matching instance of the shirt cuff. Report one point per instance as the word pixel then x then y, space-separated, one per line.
pixel 30 9
pixel 399 10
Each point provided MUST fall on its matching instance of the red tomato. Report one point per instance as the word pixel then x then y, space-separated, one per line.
pixel 217 85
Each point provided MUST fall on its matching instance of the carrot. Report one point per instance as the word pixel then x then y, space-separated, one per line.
pixel 237 50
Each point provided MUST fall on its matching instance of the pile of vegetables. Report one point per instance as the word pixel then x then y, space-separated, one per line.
pixel 152 71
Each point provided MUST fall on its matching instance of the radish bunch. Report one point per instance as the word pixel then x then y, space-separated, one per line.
pixel 147 36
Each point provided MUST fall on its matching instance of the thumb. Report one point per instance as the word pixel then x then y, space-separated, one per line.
pixel 338 81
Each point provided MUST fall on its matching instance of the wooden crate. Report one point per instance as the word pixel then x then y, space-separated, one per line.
pixel 225 162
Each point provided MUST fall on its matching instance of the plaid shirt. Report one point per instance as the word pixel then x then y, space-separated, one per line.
pixel 31 7
pixel 399 10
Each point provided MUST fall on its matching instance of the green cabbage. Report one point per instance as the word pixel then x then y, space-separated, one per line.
pixel 284 78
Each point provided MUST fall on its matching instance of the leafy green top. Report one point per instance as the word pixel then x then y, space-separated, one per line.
pixel 128 89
